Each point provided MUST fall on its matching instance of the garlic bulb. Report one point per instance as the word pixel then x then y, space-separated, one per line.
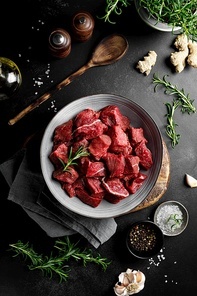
pixel 191 181
pixel 130 282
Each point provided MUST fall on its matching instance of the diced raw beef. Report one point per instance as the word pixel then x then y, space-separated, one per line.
pixel 112 198
pixel 88 199
pixel 115 164
pixel 98 147
pixel 120 142
pixel 91 130
pixel 136 135
pixel 111 115
pixel 136 183
pixel 131 165
pixel 115 186
pixel 94 185
pixel 86 116
pixel 70 188
pixel 95 169
pixel 144 154
pixel 83 164
pixel 69 176
pixel 63 133
pixel 61 152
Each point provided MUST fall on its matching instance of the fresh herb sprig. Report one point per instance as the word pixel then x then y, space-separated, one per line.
pixel 171 126
pixel 68 250
pixel 114 7
pixel 176 220
pixel 185 102
pixel 73 157
pixel 181 100
pixel 57 264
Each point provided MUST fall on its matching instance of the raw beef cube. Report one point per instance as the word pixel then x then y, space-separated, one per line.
pixel 86 116
pixel 83 164
pixel 70 188
pixel 115 187
pixel 131 165
pixel 91 130
pixel 98 147
pixel 95 188
pixel 115 164
pixel 88 199
pixel 136 135
pixel 61 152
pixel 63 133
pixel 96 169
pixel 136 183
pixel 69 176
pixel 144 154
pixel 120 142
pixel 111 115
pixel 112 198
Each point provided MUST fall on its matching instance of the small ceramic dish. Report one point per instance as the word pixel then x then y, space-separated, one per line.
pixel 144 239
pixel 172 217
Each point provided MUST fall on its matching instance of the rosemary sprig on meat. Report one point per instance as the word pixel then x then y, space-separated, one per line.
pixel 73 157
pixel 57 264
pixel 181 100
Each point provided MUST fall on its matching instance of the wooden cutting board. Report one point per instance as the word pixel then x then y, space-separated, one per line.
pixel 161 185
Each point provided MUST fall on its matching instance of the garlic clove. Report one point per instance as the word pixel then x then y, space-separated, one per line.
pixel 191 181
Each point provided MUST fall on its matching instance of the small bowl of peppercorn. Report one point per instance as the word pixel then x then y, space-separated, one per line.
pixel 144 239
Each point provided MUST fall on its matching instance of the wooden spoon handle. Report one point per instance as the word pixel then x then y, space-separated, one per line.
pixel 49 94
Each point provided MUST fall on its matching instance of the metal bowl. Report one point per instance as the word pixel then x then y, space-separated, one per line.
pixel 172 217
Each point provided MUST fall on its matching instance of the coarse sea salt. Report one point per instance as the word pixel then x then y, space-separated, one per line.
pixel 169 218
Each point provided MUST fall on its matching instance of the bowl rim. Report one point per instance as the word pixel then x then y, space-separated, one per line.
pixel 157 248
pixel 182 208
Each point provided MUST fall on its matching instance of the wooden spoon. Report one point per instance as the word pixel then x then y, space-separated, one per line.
pixel 108 51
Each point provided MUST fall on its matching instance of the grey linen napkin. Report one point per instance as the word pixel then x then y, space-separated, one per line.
pixel 28 189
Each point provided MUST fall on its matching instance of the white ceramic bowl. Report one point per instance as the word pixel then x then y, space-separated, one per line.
pixel 138 118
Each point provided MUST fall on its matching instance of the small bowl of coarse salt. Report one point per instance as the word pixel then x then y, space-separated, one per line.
pixel 172 217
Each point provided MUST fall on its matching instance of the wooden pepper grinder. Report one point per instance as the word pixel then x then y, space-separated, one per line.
pixel 59 43
pixel 82 26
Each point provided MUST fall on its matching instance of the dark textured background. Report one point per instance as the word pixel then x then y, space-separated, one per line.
pixel 23 38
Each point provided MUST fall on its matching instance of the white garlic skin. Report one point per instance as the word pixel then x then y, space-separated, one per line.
pixel 130 282
pixel 191 181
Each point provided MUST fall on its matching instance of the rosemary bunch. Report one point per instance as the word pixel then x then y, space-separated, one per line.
pixel 57 263
pixel 176 13
pixel 181 100
pixel 114 6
